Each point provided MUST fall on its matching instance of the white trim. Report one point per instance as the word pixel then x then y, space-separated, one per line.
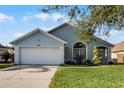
pixel 35 31
pixel 101 45
pixel 85 45
pixel 40 46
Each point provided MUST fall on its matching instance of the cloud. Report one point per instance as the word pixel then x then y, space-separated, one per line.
pixel 25 18
pixel 41 16
pixel 114 32
pixel 44 17
pixel 116 36
pixel 5 18
pixel 120 39
pixel 45 28
pixel 17 35
pixel 57 16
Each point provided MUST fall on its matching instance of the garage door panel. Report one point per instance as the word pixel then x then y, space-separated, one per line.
pixel 39 55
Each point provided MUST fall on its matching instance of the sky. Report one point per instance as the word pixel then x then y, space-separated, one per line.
pixel 15 21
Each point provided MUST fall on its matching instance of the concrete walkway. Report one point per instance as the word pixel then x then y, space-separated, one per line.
pixel 26 76
pixel 83 66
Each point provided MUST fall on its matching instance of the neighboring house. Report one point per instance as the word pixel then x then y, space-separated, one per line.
pixel 118 52
pixel 56 46
pixel 4 49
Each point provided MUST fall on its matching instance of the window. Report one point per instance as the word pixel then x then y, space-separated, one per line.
pixel 79 49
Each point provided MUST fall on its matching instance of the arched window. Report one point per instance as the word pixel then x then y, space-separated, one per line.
pixel 79 49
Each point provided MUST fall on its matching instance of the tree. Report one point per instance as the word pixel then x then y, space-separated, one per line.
pixel 6 56
pixel 12 56
pixel 98 19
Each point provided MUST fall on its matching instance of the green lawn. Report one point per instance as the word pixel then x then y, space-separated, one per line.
pixel 4 65
pixel 89 77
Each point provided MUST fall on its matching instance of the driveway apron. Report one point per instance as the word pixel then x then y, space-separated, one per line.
pixel 27 76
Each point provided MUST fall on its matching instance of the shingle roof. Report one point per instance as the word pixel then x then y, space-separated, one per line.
pixel 118 47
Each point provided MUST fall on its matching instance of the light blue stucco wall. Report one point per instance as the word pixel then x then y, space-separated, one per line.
pixel 38 39
pixel 34 40
pixel 67 33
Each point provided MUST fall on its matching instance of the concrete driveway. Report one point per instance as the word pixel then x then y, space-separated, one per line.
pixel 26 76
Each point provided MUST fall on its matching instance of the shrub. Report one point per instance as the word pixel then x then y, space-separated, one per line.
pixel 5 56
pixel 79 59
pixel 62 64
pixel 97 59
pixel 88 62
pixel 110 62
pixel 68 62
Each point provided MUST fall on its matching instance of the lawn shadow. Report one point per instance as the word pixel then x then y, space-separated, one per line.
pixel 39 69
pixel 32 68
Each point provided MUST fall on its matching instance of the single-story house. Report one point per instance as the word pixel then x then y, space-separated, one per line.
pixel 56 46
pixel 118 52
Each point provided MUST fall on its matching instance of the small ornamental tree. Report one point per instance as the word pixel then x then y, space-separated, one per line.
pixel 98 54
pixel 6 56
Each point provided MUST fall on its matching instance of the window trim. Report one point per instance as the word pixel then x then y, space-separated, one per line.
pixel 73 48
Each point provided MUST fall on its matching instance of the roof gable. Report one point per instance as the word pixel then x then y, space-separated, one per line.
pixel 95 37
pixel 35 31
pixel 118 47
pixel 60 26
pixel 103 41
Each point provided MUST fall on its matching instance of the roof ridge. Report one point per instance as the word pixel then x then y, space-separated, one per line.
pixel 57 26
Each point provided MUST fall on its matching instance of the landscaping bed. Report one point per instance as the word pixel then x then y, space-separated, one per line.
pixel 99 77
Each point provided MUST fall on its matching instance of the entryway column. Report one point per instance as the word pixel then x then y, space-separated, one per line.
pixel 62 57
pixel 90 47
pixel 109 54
pixel 16 55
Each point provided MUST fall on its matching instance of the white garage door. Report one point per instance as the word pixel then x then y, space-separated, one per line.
pixel 44 55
